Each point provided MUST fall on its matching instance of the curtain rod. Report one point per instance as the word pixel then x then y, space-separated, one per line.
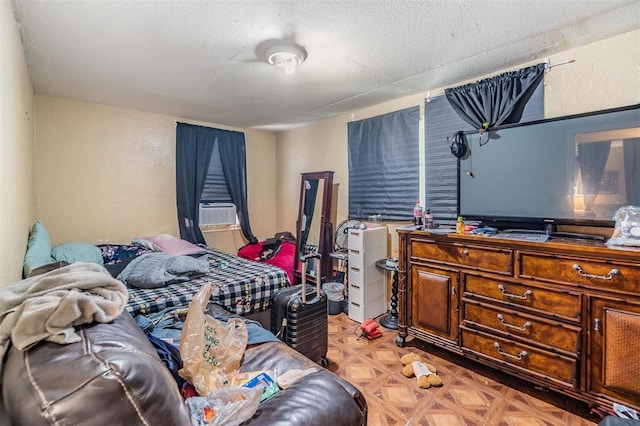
pixel 549 66
pixel 547 63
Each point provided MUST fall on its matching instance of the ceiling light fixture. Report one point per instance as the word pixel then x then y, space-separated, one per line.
pixel 286 58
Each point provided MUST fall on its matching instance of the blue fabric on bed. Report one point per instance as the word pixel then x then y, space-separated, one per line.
pixel 116 253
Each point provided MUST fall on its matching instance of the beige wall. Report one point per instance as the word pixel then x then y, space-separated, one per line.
pixel 16 149
pixel 604 75
pixel 108 174
pixel 104 173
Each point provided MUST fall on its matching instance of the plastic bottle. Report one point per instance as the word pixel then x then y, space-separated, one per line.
pixel 417 214
pixel 427 220
pixel 460 226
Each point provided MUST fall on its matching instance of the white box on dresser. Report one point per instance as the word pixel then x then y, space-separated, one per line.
pixel 367 284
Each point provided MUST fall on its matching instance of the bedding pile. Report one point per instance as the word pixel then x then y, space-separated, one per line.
pixel 282 259
pixel 153 270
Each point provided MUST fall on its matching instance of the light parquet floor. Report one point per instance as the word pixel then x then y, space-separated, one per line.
pixel 472 394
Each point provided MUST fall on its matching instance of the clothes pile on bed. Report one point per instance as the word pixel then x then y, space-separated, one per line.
pixel 277 251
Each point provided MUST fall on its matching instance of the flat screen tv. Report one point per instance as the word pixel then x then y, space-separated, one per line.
pixel 573 170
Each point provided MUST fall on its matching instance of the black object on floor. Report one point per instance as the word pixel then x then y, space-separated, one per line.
pixel 299 317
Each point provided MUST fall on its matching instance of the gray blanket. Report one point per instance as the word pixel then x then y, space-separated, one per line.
pixel 153 270
pixel 48 306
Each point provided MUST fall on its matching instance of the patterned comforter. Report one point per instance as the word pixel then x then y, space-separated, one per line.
pixel 241 286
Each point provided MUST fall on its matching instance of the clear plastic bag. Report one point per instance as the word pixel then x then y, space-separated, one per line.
pixel 209 350
pixel 627 227
pixel 228 406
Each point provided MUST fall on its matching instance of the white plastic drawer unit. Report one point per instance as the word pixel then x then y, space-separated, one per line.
pixel 356 259
pixel 370 292
pixel 367 283
pixel 355 239
pixel 356 312
pixel 356 275
pixel 356 293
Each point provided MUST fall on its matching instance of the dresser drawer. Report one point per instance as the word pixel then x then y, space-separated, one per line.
pixel 538 300
pixel 618 276
pixel 513 324
pixel 521 357
pixel 490 259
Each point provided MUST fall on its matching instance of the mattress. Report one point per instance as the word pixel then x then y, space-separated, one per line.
pixel 240 285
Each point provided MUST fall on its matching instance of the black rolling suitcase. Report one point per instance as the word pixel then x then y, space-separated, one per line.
pixel 299 317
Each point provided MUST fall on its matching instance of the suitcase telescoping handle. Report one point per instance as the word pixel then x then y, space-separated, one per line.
pixel 304 260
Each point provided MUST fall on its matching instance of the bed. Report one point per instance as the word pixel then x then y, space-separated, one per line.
pixel 241 286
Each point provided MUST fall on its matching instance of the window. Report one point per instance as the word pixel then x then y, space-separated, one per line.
pixel 442 122
pixel 202 149
pixel 384 168
pixel 215 187
pixel 216 207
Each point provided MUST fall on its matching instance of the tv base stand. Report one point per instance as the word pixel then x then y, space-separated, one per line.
pixel 551 313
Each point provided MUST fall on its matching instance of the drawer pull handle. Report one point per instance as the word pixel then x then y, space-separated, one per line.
pixel 465 252
pixel 524 327
pixel 607 277
pixel 515 296
pixel 518 357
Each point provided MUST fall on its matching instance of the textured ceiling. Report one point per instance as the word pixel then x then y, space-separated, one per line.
pixel 202 60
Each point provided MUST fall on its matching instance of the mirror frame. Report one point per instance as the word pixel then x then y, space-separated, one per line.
pixel 325 243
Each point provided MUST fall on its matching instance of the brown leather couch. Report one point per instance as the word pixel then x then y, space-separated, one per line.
pixel 114 377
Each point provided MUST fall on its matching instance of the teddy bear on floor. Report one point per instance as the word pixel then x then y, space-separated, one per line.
pixel 412 364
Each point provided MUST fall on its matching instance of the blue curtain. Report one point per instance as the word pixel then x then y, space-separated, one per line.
pixel 234 165
pixel 194 145
pixel 498 100
pixel 194 149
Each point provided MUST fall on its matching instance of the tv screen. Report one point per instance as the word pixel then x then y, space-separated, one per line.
pixel 570 170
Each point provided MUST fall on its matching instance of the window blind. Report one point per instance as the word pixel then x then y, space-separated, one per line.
pixel 215 187
pixel 384 165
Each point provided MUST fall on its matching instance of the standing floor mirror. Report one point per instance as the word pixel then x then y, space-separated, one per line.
pixel 314 230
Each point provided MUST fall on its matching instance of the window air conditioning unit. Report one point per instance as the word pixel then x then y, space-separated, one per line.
pixel 217 214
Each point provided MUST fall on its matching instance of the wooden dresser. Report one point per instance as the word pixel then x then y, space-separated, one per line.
pixel 564 314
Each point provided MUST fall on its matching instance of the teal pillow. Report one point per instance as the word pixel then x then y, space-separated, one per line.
pixel 77 252
pixel 38 249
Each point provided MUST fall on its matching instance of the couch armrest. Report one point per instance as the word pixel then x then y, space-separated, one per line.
pixel 320 398
pixel 113 376
pixel 46 268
